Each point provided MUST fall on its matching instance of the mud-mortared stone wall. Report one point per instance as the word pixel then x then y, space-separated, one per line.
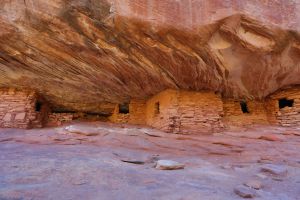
pixel 185 112
pixel 234 116
pixel 205 112
pixel 288 115
pixel 57 119
pixel 18 109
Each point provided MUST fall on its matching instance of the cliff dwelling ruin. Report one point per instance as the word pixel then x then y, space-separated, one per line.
pixel 100 99
pixel 172 111
pixel 22 109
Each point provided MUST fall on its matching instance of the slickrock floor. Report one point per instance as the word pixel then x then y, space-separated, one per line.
pixel 106 161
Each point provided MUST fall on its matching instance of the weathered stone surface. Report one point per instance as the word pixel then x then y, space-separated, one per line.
pixel 275 169
pixel 189 14
pixel 87 55
pixel 45 164
pixel 168 165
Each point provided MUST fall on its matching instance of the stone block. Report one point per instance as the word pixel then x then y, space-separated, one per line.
pixel 7 117
pixel 20 116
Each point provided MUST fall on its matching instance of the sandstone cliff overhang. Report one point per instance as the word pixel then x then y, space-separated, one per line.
pixel 89 55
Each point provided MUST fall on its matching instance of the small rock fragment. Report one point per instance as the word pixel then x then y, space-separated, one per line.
pixel 262 176
pixel 168 165
pixel 244 191
pixel 265 159
pixel 153 133
pixel 271 137
pixel 137 162
pixel 227 166
pixel 255 184
pixel 277 170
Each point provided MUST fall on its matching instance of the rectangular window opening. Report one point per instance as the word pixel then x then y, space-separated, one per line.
pixel 157 108
pixel 38 106
pixel 284 102
pixel 244 107
pixel 124 108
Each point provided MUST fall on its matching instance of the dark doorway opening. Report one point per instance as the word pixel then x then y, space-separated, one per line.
pixel 38 106
pixel 124 108
pixel 244 107
pixel 157 108
pixel 284 102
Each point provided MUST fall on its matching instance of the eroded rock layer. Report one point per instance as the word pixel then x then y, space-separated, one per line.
pixel 87 55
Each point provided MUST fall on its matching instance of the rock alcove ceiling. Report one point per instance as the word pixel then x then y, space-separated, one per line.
pixel 88 55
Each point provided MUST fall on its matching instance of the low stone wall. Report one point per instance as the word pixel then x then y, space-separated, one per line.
pixel 117 117
pixel 136 115
pixel 289 115
pixel 234 116
pixel 56 119
pixel 17 109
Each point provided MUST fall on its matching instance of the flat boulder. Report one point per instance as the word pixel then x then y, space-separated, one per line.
pixel 277 170
pixel 83 130
pixel 245 192
pixel 168 165
pixel 255 184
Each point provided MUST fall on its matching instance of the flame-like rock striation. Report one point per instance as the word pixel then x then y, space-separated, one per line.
pixel 87 55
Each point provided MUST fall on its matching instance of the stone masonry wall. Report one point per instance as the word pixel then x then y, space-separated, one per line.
pixel 287 116
pixel 234 116
pixel 137 110
pixel 56 119
pixel 117 117
pixel 17 109
pixel 166 118
pixel 185 112
pixel 205 112
pixel 136 115
pixel 200 112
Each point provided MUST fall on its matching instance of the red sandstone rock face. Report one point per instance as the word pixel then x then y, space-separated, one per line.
pixel 192 13
pixel 86 55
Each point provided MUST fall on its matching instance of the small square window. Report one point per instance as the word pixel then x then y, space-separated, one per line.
pixel 124 108
pixel 284 102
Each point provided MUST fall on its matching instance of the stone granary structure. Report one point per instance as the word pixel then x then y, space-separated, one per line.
pixel 179 66
pixel 22 109
pixel 174 111
pixel 205 112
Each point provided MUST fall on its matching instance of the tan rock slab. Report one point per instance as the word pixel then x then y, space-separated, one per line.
pixel 168 165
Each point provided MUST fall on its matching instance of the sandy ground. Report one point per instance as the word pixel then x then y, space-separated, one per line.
pixel 97 161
